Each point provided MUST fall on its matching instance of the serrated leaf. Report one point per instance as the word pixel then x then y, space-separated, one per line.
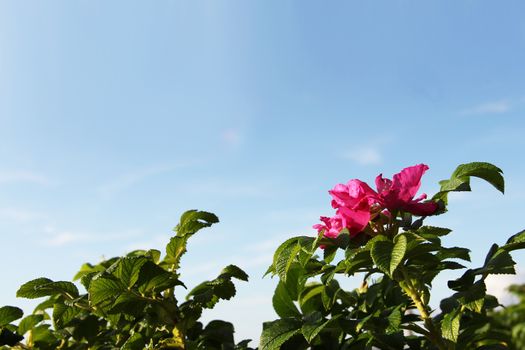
pixel 276 333
pixel 234 271
pixel 387 255
pixel 486 171
pixel 193 220
pixel 63 314
pixel 9 314
pixel 102 289
pixel 453 253
pixel 128 269
pixel 65 288
pixel 311 328
pixel 450 326
pixel 154 279
pixel 29 289
pixel 285 259
pixel 283 303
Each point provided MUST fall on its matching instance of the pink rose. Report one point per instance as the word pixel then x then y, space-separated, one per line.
pixel 353 202
pixel 331 227
pixel 398 193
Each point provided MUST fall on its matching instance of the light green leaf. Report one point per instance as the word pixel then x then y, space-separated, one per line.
pixel 28 322
pixel 450 326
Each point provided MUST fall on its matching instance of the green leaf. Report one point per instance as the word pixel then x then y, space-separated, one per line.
pixel 194 220
pixel 284 259
pixel 486 171
pixel 314 324
pixel 387 255
pixel 516 241
pixel 63 314
pixel 153 278
pixel 102 289
pixel 28 322
pixel 276 333
pixel 9 314
pixel 64 288
pixel 394 320
pixel 135 342
pixel 128 269
pixel 234 271
pixel 283 303
pixel 29 290
pixel 450 326
pixel 453 253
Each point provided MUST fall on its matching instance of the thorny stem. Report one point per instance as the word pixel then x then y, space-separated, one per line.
pixel 434 333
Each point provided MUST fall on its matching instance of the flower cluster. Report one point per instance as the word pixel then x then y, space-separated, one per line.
pixel 356 203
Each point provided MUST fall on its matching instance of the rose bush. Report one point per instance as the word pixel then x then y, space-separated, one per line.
pixel 375 236
pixel 378 236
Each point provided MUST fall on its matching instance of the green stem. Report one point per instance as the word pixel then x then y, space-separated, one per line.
pixel 434 333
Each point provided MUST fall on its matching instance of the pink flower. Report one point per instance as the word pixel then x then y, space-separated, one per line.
pixel 331 228
pixel 353 202
pixel 398 193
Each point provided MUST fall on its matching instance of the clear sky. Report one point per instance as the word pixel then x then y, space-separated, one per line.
pixel 117 116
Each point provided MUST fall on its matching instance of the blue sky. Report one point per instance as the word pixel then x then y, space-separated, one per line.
pixel 118 116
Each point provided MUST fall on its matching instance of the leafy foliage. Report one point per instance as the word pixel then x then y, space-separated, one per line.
pixel 398 259
pixel 129 303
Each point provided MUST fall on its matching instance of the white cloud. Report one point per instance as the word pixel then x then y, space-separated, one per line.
pixel 61 238
pixel 364 156
pixel 495 107
pixel 21 215
pixel 23 176
pixel 497 285
pixel 127 180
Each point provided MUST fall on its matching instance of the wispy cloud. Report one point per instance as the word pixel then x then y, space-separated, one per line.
pixel 127 180
pixel 21 215
pixel 364 156
pixel 232 137
pixel 494 107
pixel 65 237
pixel 23 176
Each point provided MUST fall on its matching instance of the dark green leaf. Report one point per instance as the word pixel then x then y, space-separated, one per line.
pixel 128 269
pixel 234 271
pixel 275 333
pixel 486 171
pixel 9 314
pixel 135 342
pixel 283 303
pixel 29 290
pixel 388 255
pixel 104 288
